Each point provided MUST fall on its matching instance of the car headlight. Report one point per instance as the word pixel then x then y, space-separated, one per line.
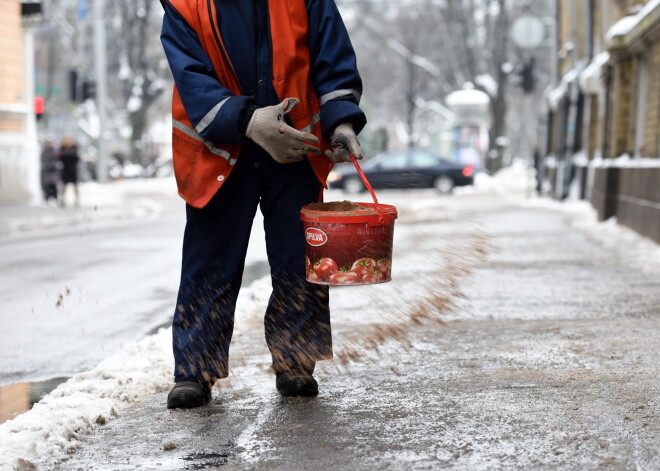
pixel 334 177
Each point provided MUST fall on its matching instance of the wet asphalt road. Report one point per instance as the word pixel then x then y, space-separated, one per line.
pixel 72 295
pixel 550 363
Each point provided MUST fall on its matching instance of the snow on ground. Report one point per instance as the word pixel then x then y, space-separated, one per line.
pixel 515 180
pixel 121 199
pixel 643 252
pixel 52 429
pixel 138 191
pixel 623 161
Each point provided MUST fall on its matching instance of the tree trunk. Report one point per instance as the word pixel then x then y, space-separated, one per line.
pixel 498 103
pixel 410 102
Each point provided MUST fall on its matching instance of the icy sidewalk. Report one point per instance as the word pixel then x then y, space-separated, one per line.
pixel 544 364
pixel 52 429
pixel 124 199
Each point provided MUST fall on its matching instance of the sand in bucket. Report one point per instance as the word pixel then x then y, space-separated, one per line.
pixel 349 243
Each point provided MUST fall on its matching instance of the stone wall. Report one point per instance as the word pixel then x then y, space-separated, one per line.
pixel 652 131
pixel 604 191
pixel 11 58
pixel 632 194
pixel 622 107
pixel 638 201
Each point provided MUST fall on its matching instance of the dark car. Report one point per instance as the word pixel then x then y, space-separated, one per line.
pixel 403 169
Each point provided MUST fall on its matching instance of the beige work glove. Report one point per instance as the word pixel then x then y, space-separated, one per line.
pixel 344 141
pixel 284 143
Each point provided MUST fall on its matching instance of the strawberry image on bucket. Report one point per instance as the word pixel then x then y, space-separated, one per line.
pixel 349 243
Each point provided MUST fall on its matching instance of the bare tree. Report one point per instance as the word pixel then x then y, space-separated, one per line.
pixel 420 51
pixel 394 39
pixel 137 71
pixel 136 60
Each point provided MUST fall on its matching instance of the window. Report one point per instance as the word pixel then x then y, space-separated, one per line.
pixel 424 160
pixel 394 161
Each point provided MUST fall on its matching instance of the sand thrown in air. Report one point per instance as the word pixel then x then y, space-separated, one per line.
pixel 439 295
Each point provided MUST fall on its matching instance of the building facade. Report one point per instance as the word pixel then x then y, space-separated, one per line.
pixel 604 108
pixel 605 101
pixel 19 161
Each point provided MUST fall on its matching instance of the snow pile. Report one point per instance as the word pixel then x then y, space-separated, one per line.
pixel 467 97
pixel 123 192
pixel 590 78
pixel 639 251
pixel 514 181
pixel 625 161
pixel 51 429
pixel 124 199
pixel 622 27
pixel 628 23
pixel 488 83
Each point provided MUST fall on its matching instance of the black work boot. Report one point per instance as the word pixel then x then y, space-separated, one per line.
pixel 296 383
pixel 188 394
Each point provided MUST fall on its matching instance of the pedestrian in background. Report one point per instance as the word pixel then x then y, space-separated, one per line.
pixel 538 163
pixel 70 159
pixel 50 172
pixel 266 99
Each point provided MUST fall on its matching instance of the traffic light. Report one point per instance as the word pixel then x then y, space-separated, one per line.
pixel 74 92
pixel 80 89
pixel 39 106
pixel 88 90
pixel 526 76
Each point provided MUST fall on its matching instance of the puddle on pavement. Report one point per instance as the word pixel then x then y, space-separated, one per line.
pixel 18 398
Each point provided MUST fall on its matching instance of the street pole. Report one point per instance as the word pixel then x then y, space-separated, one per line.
pixel 528 32
pixel 528 137
pixel 528 140
pixel 101 87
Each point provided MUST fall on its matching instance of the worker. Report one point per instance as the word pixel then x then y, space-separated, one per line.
pixel 266 100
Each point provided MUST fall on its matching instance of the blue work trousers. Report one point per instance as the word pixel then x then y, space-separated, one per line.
pixel 297 319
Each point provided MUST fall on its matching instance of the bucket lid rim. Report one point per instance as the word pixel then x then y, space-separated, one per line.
pixel 387 211
pixel 371 210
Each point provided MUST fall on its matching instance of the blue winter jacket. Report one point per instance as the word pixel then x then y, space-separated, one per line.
pixel 244 25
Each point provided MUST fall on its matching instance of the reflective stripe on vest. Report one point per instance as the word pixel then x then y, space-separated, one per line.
pixel 210 116
pixel 209 145
pixel 337 93
pixel 315 119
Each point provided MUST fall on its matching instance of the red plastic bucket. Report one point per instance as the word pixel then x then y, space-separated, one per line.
pixel 349 247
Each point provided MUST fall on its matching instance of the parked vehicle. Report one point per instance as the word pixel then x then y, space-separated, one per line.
pixel 403 169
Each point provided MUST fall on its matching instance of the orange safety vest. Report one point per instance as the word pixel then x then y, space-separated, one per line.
pixel 202 166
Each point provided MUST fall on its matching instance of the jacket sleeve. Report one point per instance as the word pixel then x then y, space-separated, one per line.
pixel 334 68
pixel 213 110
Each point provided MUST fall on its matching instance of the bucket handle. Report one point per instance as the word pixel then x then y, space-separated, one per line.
pixel 363 177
